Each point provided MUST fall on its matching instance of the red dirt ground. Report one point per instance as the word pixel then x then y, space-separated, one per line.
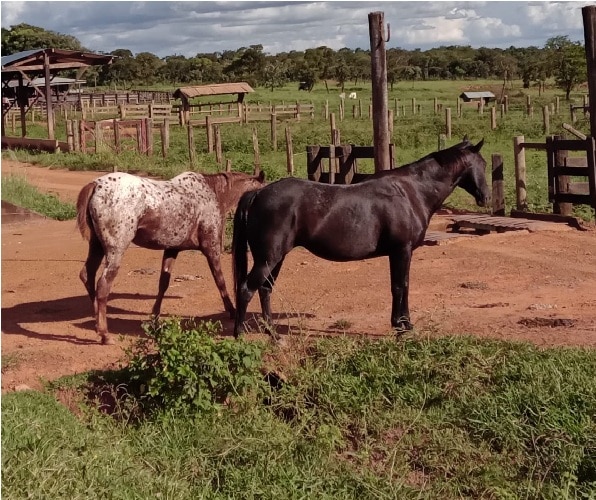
pixel 512 286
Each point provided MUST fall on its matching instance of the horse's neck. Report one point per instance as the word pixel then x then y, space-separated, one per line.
pixel 437 181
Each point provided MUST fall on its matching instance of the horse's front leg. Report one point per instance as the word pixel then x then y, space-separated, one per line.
pixel 213 254
pixel 399 264
pixel 167 263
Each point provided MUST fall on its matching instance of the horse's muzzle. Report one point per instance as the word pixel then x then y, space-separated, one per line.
pixel 482 200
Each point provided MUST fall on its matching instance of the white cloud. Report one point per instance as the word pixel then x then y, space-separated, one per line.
pixel 187 28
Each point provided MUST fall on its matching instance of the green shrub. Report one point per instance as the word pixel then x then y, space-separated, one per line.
pixel 179 368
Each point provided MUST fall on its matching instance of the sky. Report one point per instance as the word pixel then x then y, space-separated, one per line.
pixel 187 28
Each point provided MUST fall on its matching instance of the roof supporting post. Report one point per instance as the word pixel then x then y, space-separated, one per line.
pixel 48 89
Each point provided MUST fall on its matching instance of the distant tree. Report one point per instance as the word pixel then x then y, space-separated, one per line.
pixel 274 74
pixel 568 62
pixel 146 67
pixel 120 72
pixel 26 37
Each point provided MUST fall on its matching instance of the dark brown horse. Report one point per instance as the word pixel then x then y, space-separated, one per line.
pixel 386 215
pixel 185 213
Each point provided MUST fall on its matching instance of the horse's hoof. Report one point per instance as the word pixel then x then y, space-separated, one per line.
pixel 107 340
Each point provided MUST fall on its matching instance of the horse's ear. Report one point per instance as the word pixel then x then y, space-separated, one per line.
pixel 465 139
pixel 476 148
pixel 261 176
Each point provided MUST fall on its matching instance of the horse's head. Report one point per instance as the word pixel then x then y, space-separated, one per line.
pixel 473 179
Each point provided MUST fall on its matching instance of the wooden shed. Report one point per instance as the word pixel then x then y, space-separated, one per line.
pixel 477 96
pixel 186 94
pixel 28 65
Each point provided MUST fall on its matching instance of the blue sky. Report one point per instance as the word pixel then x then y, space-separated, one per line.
pixel 187 28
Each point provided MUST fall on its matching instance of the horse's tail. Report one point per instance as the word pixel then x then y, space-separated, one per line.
pixel 240 240
pixel 83 219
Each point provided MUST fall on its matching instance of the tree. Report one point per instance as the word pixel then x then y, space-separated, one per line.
pixel 568 62
pixel 26 37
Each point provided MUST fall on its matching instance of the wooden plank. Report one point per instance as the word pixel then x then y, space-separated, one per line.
pixel 579 188
pixel 566 171
pixel 576 161
pixel 567 219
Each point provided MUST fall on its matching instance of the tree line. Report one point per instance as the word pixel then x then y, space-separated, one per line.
pixel 560 58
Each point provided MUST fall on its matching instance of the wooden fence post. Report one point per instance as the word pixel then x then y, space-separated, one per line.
pixel 255 147
pixel 332 163
pixel 498 195
pixel 149 136
pixel 289 152
pixel 209 130
pixel 519 154
pixel 274 131
pixel 117 143
pixel 164 133
pixel 98 138
pixel 217 137
pixel 442 142
pixel 228 165
pixel 69 135
pixel 448 122
pixel 191 145
pixel 76 135
pixel 493 118
pixel 545 120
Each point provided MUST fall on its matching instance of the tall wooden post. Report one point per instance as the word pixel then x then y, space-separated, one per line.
pixel 376 27
pixel 498 196
pixel 519 154
pixel 589 16
pixel 48 91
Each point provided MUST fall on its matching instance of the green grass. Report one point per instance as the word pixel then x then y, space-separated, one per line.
pixel 16 190
pixel 428 418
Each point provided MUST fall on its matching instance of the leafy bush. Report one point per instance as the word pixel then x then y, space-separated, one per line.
pixel 179 368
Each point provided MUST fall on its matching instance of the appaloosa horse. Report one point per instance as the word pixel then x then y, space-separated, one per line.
pixel 386 215
pixel 185 213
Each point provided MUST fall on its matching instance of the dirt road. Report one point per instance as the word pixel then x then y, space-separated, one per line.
pixel 538 287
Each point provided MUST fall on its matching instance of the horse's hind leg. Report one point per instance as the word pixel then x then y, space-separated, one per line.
pixel 167 263
pixel 104 284
pixel 265 297
pixel 213 259
pixel 254 281
pixel 89 270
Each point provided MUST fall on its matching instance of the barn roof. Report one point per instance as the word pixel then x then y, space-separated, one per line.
pixel 214 89
pixel 477 95
pixel 31 61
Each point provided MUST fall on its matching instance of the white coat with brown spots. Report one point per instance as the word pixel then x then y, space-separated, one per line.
pixel 185 213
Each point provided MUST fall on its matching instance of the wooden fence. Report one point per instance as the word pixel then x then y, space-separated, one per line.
pixel 342 164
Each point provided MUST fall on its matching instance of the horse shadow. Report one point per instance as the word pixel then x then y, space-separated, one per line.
pixel 76 310
pixel 79 312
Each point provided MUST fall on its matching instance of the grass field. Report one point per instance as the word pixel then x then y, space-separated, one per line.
pixel 426 418
pixel 414 136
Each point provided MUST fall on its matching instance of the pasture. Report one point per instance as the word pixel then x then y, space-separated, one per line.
pixel 491 396
pixel 414 134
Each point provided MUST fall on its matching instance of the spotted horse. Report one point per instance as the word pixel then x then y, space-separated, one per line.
pixel 185 213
